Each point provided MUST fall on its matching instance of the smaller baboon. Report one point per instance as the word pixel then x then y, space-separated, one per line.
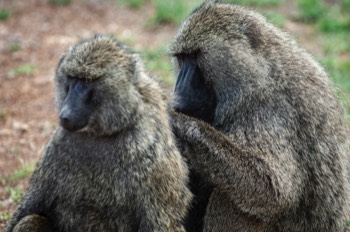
pixel 113 164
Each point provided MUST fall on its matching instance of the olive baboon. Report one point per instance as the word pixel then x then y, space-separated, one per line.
pixel 260 125
pixel 113 165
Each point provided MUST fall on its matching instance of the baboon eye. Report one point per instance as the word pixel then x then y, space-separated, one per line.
pixel 193 55
pixel 180 59
pixel 89 96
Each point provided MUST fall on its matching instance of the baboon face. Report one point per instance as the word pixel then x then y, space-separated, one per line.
pixel 194 96
pixel 78 103
pixel 95 93
pixel 216 62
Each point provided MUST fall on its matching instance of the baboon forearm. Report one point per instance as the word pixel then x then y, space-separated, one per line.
pixel 31 206
pixel 246 174
pixel 33 223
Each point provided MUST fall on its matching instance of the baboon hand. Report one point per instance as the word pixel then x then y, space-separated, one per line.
pixel 186 129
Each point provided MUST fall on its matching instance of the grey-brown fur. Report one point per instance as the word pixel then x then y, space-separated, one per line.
pixel 276 152
pixel 123 171
pixel 34 222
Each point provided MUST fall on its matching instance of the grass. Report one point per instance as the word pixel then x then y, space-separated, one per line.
pixel 334 20
pixel 336 43
pixel 277 19
pixel 311 10
pixel 257 2
pixel 60 2
pixel 345 5
pixel 4 15
pixel 25 69
pixel 2 114
pixel 14 193
pixel 158 62
pixel 334 30
pixel 134 4
pixel 5 216
pixel 170 11
pixel 20 174
pixel 339 72
pixel 14 47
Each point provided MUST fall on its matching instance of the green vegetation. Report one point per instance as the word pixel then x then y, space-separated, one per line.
pixel 277 19
pixel 158 62
pixel 14 47
pixel 25 69
pixel 5 216
pixel 60 2
pixel 311 10
pixel 135 4
pixel 14 193
pixel 339 70
pixel 170 11
pixel 345 4
pixel 257 2
pixel 2 114
pixel 334 21
pixel 4 15
pixel 347 224
pixel 20 174
pixel 334 30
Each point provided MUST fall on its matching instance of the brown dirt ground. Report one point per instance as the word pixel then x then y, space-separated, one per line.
pixel 43 33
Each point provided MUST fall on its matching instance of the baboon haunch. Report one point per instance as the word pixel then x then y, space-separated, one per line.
pixel 113 164
pixel 260 125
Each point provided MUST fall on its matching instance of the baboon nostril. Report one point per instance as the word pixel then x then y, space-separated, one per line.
pixel 65 118
pixel 64 121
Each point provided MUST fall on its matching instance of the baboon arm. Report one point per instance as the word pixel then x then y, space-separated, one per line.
pixel 257 180
pixel 30 205
pixel 33 223
pixel 161 209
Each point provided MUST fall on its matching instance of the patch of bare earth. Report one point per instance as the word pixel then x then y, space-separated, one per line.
pixel 43 32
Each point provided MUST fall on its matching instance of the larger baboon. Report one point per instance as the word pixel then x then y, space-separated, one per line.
pixel 260 126
pixel 113 164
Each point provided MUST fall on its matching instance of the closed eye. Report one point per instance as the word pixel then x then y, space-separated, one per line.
pixel 180 57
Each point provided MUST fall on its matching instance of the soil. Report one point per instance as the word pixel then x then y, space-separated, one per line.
pixel 36 35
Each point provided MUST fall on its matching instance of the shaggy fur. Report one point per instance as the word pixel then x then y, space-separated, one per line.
pixel 123 172
pixel 275 157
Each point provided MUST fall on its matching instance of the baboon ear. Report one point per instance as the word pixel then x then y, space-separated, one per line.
pixel 136 66
pixel 253 33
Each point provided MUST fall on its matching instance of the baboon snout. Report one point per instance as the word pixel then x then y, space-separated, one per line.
pixel 78 104
pixel 72 121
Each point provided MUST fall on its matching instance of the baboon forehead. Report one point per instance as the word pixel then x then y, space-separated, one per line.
pixel 94 58
pixel 207 24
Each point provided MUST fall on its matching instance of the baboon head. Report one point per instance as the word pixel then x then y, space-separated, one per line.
pixel 216 58
pixel 95 91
